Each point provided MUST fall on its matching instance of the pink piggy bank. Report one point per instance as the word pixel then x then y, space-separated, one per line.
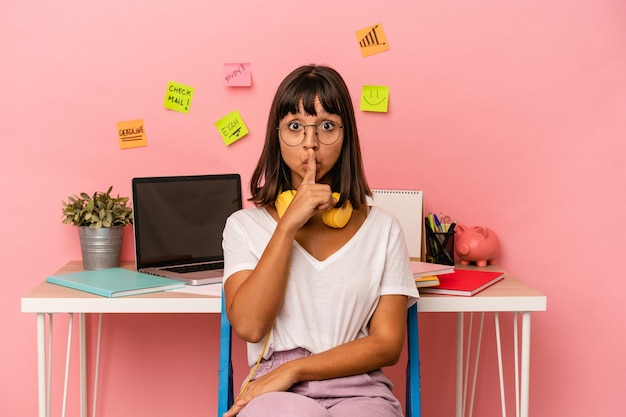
pixel 476 244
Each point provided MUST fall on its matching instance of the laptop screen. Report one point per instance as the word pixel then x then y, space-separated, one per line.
pixel 179 220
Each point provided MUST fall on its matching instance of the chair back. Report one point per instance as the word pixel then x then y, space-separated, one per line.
pixel 225 393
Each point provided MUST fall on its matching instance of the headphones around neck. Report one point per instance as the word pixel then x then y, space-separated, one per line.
pixel 335 218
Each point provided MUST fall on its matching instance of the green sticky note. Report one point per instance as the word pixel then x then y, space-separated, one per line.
pixel 178 97
pixel 231 127
pixel 375 98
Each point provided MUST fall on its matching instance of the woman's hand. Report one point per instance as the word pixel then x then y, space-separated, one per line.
pixel 277 380
pixel 311 198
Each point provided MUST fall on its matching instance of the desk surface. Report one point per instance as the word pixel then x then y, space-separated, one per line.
pixel 510 294
pixel 51 298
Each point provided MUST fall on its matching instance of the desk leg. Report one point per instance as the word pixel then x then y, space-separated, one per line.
pixel 42 384
pixel 524 387
pixel 41 364
pixel 459 364
pixel 83 364
pixel 500 367
pixel 525 371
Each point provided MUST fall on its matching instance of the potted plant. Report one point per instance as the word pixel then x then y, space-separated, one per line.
pixel 100 219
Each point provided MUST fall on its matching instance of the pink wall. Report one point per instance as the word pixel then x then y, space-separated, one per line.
pixel 507 114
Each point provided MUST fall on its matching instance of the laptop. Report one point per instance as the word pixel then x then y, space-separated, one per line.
pixel 178 225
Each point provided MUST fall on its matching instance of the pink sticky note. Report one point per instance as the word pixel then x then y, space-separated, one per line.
pixel 237 75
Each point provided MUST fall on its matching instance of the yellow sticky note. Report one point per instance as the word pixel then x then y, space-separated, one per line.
pixel 231 127
pixel 178 97
pixel 132 134
pixel 375 98
pixel 372 40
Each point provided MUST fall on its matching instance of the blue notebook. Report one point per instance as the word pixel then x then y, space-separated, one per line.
pixel 114 282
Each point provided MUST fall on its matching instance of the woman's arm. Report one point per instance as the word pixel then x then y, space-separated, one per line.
pixel 253 298
pixel 382 347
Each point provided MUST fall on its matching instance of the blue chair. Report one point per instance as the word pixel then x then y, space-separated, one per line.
pixel 225 393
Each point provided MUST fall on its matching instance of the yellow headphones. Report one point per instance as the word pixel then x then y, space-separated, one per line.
pixel 336 218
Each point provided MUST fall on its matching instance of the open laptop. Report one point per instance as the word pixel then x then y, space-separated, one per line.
pixel 178 225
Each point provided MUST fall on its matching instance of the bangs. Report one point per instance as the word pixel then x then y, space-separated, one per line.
pixel 306 90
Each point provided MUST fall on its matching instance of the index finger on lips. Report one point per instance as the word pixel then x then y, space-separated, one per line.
pixel 309 176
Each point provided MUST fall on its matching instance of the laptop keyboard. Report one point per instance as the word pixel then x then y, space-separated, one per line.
pixel 195 268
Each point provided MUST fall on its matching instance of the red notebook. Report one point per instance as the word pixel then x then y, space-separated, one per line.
pixel 466 282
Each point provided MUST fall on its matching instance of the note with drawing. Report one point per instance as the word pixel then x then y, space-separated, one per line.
pixel 375 98
pixel 372 40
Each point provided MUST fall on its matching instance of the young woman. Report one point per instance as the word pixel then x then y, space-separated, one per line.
pixel 316 281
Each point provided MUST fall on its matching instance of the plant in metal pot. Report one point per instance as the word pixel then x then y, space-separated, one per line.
pixel 100 219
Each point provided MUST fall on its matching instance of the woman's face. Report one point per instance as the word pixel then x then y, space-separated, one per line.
pixel 296 157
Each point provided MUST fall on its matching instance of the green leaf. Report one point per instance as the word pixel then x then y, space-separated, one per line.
pixel 97 210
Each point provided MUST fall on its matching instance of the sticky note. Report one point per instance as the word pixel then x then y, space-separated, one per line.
pixel 132 134
pixel 231 127
pixel 375 98
pixel 372 40
pixel 178 97
pixel 237 75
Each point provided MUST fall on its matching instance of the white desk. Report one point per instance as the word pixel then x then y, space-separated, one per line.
pixel 52 299
pixel 509 295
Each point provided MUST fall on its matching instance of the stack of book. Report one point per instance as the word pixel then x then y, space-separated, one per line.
pixel 426 273
pixel 444 279
pixel 464 282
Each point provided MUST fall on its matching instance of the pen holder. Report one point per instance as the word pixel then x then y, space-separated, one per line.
pixel 440 247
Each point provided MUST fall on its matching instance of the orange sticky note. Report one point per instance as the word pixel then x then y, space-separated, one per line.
pixel 132 134
pixel 372 40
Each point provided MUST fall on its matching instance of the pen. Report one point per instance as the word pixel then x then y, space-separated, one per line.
pixel 437 223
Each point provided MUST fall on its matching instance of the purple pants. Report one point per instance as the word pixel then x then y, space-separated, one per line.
pixel 365 395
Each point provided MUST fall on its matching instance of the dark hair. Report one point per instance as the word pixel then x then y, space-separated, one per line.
pixel 303 85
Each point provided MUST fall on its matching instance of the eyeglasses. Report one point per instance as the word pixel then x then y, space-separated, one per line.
pixel 293 133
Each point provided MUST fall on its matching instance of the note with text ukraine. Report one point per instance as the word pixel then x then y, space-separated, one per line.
pixel 464 282
pixel 114 282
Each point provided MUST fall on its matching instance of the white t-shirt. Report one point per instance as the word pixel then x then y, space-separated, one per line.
pixel 329 302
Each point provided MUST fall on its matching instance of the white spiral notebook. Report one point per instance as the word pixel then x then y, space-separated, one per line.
pixel 407 206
